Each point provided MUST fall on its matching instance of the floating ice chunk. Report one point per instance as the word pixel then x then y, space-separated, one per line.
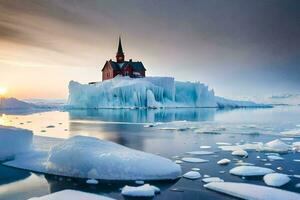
pixel 296 160
pixel 296 146
pixel 297 185
pixel 205 147
pixel 291 133
pixel 50 126
pixel 195 169
pixel 223 143
pixel 276 179
pixel 273 157
pixel 192 175
pixel 287 138
pixel 178 161
pixel 92 181
pixel 107 160
pixel 251 191
pixel 250 171
pixel 14 141
pixel 71 194
pixel 242 163
pixel 212 179
pixel 193 160
pixel 224 161
pixel 140 191
pixel 276 146
pixel 240 152
pixel 200 152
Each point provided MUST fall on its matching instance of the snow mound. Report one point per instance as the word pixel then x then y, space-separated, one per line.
pixel 14 141
pixel 71 194
pixel 89 157
pixel 251 191
pixel 192 175
pixel 224 161
pixel 212 179
pixel 140 191
pixel 250 171
pixel 276 179
pixel 151 92
pixel 276 146
pixel 12 103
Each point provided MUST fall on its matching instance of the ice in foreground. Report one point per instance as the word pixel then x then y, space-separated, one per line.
pixel 71 194
pixel 151 92
pixel 14 141
pixel 276 179
pixel 250 171
pixel 251 191
pixel 192 175
pixel 89 157
pixel 140 191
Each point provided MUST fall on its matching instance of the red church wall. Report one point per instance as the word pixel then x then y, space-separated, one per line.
pixel 107 73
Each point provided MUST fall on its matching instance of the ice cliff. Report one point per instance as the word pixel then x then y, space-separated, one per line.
pixel 151 92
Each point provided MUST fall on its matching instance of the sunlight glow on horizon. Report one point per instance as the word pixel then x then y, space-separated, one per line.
pixel 3 90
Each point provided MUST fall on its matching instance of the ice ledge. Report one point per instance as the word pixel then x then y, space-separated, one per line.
pixel 149 92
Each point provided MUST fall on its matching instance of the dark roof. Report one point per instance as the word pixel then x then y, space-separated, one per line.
pixel 137 66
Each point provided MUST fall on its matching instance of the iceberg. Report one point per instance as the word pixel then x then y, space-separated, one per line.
pixel 276 179
pixel 250 171
pixel 92 158
pixel 14 141
pixel 140 191
pixel 149 92
pixel 71 194
pixel 251 191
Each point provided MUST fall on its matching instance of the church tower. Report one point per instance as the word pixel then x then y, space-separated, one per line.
pixel 120 57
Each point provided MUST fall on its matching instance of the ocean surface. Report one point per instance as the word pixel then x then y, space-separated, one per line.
pixel 166 132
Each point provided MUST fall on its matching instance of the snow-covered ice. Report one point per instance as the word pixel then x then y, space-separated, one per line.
pixel 291 133
pixel 250 171
pixel 251 191
pixel 71 194
pixel 192 175
pixel 14 141
pixel 92 181
pixel 140 191
pixel 240 152
pixel 153 92
pixel 275 146
pixel 223 161
pixel 276 179
pixel 88 157
pixel 212 179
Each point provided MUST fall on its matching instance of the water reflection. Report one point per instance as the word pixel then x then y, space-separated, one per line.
pixel 144 115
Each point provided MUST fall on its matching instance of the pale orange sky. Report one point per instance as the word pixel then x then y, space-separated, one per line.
pixel 241 49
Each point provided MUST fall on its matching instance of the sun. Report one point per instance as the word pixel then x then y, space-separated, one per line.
pixel 3 90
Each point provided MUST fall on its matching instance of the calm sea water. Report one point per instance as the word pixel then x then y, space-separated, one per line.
pixel 174 135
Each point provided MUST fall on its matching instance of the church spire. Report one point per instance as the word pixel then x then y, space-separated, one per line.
pixel 120 54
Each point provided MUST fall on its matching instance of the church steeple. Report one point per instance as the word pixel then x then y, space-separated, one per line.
pixel 120 54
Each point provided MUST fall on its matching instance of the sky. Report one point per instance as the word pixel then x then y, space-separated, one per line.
pixel 241 49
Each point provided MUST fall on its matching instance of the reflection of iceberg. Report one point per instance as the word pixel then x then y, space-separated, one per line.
pixel 144 115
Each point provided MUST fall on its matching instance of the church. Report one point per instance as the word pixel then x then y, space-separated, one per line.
pixel 122 67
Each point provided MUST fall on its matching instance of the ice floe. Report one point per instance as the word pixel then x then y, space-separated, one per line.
pixel 274 157
pixel 193 160
pixel 240 152
pixel 224 161
pixel 93 158
pixel 14 141
pixel 71 194
pixel 250 171
pixel 251 191
pixel 205 147
pixel 275 146
pixel 276 179
pixel 92 181
pixel 291 133
pixel 140 191
pixel 212 179
pixel 192 175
